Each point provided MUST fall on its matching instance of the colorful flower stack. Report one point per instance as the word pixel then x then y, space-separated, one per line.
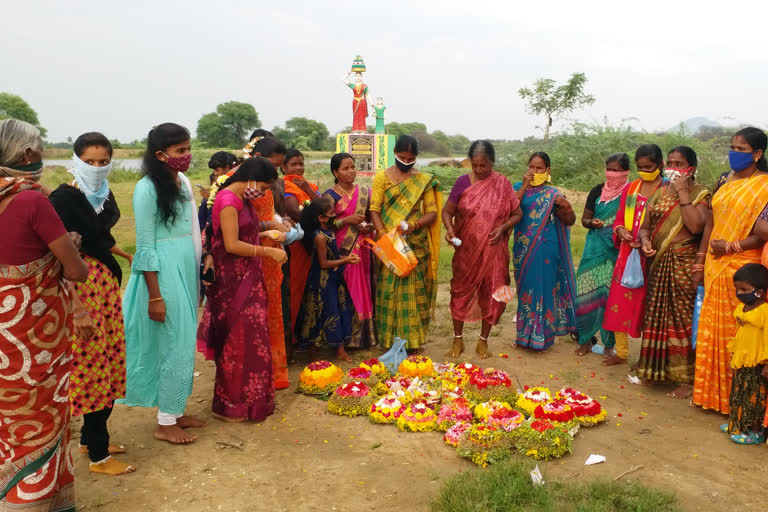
pixel 351 399
pixel 391 384
pixel 386 410
pixel 532 398
pixel 360 374
pixel 454 434
pixel 320 378
pixel 542 440
pixel 490 384
pixel 417 417
pixel 417 366
pixel 557 411
pixel 507 419
pixel 377 367
pixel 456 411
pixel 484 444
pixel 587 411
pixel 485 409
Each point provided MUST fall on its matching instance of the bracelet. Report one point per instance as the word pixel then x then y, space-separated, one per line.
pixel 338 224
pixel 416 225
pixel 697 267
pixel 737 247
pixel 155 300
pixel 685 204
pixel 81 315
pixel 701 254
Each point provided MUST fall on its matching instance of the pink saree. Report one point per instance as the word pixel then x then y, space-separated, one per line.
pixel 479 268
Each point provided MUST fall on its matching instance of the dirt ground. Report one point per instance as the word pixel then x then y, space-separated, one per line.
pixel 304 459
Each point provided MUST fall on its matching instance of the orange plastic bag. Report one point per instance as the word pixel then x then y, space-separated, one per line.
pixel 393 252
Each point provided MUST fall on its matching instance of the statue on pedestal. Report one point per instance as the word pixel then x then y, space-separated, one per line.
pixel 378 113
pixel 360 99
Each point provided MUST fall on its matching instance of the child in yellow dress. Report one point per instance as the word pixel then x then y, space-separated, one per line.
pixel 749 357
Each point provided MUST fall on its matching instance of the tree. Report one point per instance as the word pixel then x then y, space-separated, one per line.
pixel 550 99
pixel 228 126
pixel 303 134
pixel 14 107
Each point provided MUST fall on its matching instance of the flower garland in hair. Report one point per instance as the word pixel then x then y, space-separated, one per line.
pixel 249 147
pixel 319 378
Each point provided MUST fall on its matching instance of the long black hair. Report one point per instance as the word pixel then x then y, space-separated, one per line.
pixel 257 168
pixel 407 144
pixel 222 159
pixel 310 222
pixel 688 153
pixel 268 146
pixel 336 161
pixel 756 138
pixel 160 138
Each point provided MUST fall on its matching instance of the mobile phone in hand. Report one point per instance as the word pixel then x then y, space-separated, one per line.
pixel 209 276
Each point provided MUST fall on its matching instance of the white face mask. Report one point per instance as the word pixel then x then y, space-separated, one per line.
pixel 92 181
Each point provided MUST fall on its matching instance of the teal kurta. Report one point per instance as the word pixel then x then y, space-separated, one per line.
pixel 161 356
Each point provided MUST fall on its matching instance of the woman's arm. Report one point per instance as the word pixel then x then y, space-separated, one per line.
pixel 449 211
pixel 321 245
pixel 564 211
pixel 292 208
pixel 118 251
pixel 74 267
pixel 693 216
pixel 587 217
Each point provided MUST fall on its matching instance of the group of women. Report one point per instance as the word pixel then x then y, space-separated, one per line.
pixel 71 348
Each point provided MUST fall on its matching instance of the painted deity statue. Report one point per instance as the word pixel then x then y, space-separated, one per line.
pixel 359 102
pixel 378 113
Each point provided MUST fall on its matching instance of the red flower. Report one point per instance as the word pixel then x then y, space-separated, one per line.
pixel 371 362
pixel 542 425
pixel 319 365
pixel 360 373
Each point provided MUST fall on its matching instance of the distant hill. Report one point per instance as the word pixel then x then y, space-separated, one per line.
pixel 693 124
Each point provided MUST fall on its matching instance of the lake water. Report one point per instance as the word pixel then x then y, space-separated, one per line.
pixel 134 164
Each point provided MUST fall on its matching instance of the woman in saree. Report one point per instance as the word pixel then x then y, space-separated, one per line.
pixel 480 213
pixel 36 255
pixel 546 285
pixel 734 237
pixel 401 194
pixel 624 309
pixel 352 202
pixel 234 329
pixel 593 278
pixel 670 236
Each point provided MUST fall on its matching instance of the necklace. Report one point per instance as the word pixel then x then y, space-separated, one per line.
pixel 340 190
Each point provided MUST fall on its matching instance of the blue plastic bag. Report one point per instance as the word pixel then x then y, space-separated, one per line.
pixel 633 271
pixel 697 314
pixel 395 355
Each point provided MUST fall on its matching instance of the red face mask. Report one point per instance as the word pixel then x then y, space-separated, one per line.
pixel 179 163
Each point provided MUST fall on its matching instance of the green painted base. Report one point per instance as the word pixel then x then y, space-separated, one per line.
pixel 372 151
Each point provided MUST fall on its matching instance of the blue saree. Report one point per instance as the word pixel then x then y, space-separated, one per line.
pixel 543 271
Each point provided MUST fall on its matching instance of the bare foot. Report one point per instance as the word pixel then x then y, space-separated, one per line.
pixel 458 347
pixel 229 419
pixel 174 434
pixel 693 405
pixel 584 349
pixel 613 360
pixel 342 354
pixel 482 348
pixel 113 449
pixel 113 467
pixel 681 392
pixel 191 422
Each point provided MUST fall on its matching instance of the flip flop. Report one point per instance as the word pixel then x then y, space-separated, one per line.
pixel 751 438
pixel 724 428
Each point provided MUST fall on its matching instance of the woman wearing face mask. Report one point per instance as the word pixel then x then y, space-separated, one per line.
pixel 234 329
pixel 593 279
pixel 734 238
pixel 546 285
pixel 480 213
pixel 405 199
pixel 98 377
pixel 624 309
pixel 160 302
pixel 670 236
pixel 36 256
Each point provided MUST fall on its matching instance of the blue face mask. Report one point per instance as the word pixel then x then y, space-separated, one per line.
pixel 739 161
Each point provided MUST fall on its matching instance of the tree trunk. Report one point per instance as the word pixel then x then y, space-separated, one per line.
pixel 546 128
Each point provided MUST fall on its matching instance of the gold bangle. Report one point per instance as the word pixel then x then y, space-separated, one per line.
pixel 155 299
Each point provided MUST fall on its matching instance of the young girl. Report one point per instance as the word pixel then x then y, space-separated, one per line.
pixel 749 355
pixel 326 312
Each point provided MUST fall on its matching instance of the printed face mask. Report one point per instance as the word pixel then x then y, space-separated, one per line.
pixel 249 194
pixel 179 163
pixel 671 173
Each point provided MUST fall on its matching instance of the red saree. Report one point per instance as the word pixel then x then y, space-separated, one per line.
pixel 479 268
pixel 36 471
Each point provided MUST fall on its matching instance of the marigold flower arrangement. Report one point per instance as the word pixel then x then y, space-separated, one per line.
pixel 484 444
pixel 454 434
pixel 351 399
pixel 394 383
pixel 386 410
pixel 453 412
pixel 559 412
pixel 587 411
pixel 532 398
pixel 361 375
pixel 417 417
pixel 375 366
pixel 485 409
pixel 542 440
pixel 507 419
pixel 490 384
pixel 451 393
pixel 320 378
pixel 417 366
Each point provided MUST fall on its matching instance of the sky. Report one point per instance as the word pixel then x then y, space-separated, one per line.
pixel 123 67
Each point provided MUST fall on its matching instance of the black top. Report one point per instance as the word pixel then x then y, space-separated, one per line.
pixel 78 215
pixel 593 196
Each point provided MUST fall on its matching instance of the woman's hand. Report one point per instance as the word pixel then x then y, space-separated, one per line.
pixel 408 230
pixel 366 228
pixel 647 248
pixel 279 255
pixel 352 259
pixel 76 238
pixel 157 310
pixel 718 248
pixel 679 183
pixel 205 193
pixel 355 218
pixel 449 236
pixel 596 224
pixel 84 327
pixel 624 235
pixel 497 235
pixel 304 185
pixel 527 178
pixel 697 278
pixel 278 226
pixel 208 265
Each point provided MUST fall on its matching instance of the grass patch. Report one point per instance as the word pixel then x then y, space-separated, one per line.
pixel 508 487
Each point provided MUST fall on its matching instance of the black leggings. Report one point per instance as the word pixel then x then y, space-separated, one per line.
pixel 95 435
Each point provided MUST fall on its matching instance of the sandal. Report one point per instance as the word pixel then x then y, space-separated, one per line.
pixel 458 346
pixel 750 438
pixel 724 428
